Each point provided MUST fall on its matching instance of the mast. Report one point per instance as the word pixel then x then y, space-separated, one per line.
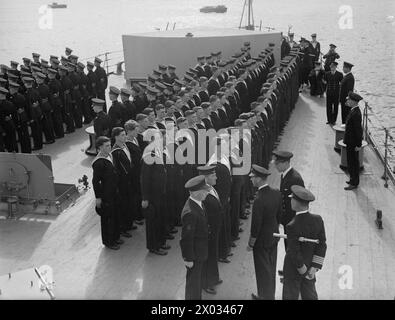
pixel 250 16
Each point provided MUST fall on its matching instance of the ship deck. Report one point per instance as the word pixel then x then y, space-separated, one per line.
pixel 83 269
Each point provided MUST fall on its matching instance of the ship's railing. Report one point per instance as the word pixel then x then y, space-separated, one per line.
pixel 112 61
pixel 382 140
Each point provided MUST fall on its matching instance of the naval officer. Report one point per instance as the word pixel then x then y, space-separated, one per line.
pixel 194 236
pixel 102 81
pixel 353 139
pixel 266 213
pixel 289 177
pixel 303 259
pixel 102 121
pixel 332 80
pixel 213 207
pixel 346 86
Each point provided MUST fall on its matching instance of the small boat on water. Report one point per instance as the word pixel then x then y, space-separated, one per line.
pixel 55 5
pixel 217 9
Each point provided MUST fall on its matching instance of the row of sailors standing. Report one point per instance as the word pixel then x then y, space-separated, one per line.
pixel 42 101
pixel 161 198
pixel 177 112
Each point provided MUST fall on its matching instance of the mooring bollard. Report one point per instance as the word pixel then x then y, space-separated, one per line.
pixel 12 203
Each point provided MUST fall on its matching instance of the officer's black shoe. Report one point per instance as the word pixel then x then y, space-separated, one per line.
pixel 49 142
pixel 224 260
pixel 219 282
pixel 348 182
pixel 126 234
pixel 113 247
pixel 165 247
pixel 210 290
pixel 36 148
pixel 119 241
pixel 159 252
pixel 280 273
pixel 255 297
pixel 169 237
pixel 350 187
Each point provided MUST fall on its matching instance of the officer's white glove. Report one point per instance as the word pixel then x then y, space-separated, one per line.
pixel 188 264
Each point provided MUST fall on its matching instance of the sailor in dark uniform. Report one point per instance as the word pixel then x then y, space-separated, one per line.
pixel 66 99
pixel 266 213
pixel 102 122
pixel 346 86
pixel 92 80
pixel 34 112
pixel 105 186
pixel 203 93
pixel 131 128
pixel 85 94
pixel 353 139
pixel 22 120
pixel 200 66
pixel 26 63
pixel 206 118
pixel 194 237
pixel 76 110
pixel 330 57
pixel 164 76
pixel 289 177
pixel 332 80
pixel 223 188
pixel 316 77
pixel 102 81
pixel 137 99
pixel 8 117
pixel 160 113
pixel 213 84
pixel 207 67
pixel 315 47
pixel 142 120
pixel 130 108
pixel 117 110
pixel 153 192
pixel 36 58
pixel 172 73
pixel 212 205
pixel 214 116
pixel 46 107
pixel 123 164
pixel 303 259
pixel 55 88
pixel 285 47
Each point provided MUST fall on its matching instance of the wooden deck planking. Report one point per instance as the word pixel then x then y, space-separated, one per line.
pixel 70 242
